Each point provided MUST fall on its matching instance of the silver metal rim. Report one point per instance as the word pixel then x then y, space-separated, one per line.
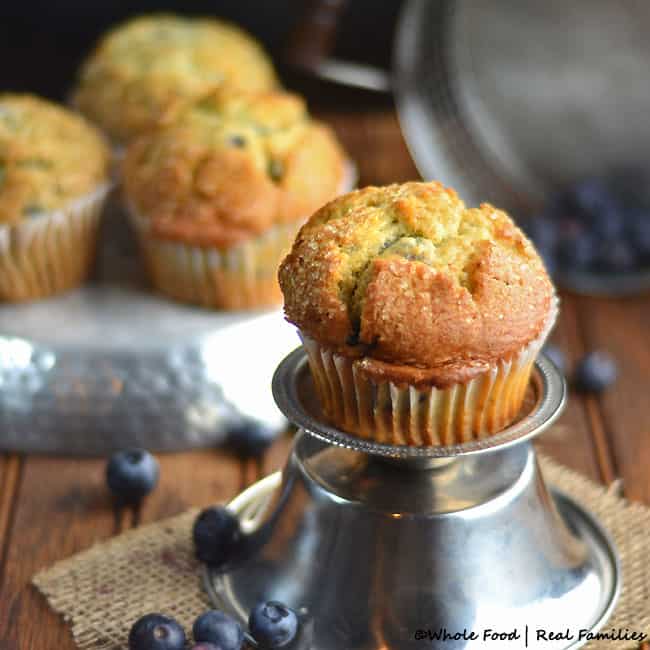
pixel 444 148
pixel 250 504
pixel 430 68
pixel 552 396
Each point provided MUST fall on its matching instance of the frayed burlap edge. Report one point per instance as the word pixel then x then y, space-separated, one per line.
pixel 101 591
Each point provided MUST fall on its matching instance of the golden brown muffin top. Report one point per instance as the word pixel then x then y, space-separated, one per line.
pixel 143 66
pixel 232 165
pixel 423 288
pixel 49 156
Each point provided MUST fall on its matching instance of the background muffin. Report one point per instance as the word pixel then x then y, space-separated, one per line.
pixel 421 317
pixel 142 67
pixel 218 194
pixel 53 178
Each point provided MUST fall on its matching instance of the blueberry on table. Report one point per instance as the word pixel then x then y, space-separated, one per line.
pixel 273 625
pixel 595 372
pixel 251 438
pixel 543 231
pixel 217 628
pixel 592 196
pixel 549 257
pixel 617 256
pixel 131 474
pixel 609 223
pixel 217 536
pixel 640 235
pixel 156 632
pixel 577 253
pixel 556 355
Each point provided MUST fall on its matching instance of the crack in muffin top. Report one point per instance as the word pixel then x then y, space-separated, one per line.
pixel 415 283
pixel 49 156
pixel 231 165
pixel 140 68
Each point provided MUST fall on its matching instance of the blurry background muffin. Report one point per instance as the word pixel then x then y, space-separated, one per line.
pixel 53 179
pixel 142 67
pixel 421 317
pixel 218 193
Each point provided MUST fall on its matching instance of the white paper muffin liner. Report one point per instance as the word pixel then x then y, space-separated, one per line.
pixel 239 277
pixel 50 252
pixel 397 414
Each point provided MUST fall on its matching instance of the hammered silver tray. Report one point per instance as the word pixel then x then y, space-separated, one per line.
pixel 113 365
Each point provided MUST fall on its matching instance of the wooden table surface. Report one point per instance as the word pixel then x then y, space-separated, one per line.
pixel 51 508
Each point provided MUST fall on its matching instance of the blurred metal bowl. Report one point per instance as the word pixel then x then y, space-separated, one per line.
pixel 509 101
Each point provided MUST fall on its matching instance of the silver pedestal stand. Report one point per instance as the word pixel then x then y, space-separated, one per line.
pixel 390 547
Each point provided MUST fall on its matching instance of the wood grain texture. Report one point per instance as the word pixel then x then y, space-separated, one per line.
pixel 621 415
pixel 375 144
pixel 61 507
pixel 192 479
pixel 570 440
pixel 10 467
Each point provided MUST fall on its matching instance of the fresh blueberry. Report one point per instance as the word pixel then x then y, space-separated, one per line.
pixel 276 170
pixel 131 474
pixel 238 141
pixel 555 354
pixel 156 632
pixel 577 253
pixel 592 196
pixel 273 625
pixel 557 206
pixel 595 372
pixel 543 231
pixel 219 629
pixel 608 223
pixel 629 185
pixel 617 256
pixel 639 228
pixel 206 646
pixel 549 257
pixel 570 228
pixel 217 536
pixel 251 438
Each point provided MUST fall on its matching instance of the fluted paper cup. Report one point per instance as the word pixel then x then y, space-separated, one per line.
pixel 50 252
pixel 239 277
pixel 402 414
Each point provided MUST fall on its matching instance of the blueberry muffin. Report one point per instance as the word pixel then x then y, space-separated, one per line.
pixel 143 67
pixel 422 318
pixel 54 171
pixel 218 194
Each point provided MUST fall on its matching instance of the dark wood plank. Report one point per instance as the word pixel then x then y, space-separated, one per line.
pixel 569 440
pixel 10 466
pixel 193 479
pixel 276 457
pixel 621 416
pixel 62 507
pixel 375 143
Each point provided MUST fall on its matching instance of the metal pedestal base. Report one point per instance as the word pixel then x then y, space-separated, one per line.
pixel 379 553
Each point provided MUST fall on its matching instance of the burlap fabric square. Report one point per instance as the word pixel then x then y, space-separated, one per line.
pixel 103 590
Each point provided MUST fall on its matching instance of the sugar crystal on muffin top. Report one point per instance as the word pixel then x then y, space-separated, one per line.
pixel 407 275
